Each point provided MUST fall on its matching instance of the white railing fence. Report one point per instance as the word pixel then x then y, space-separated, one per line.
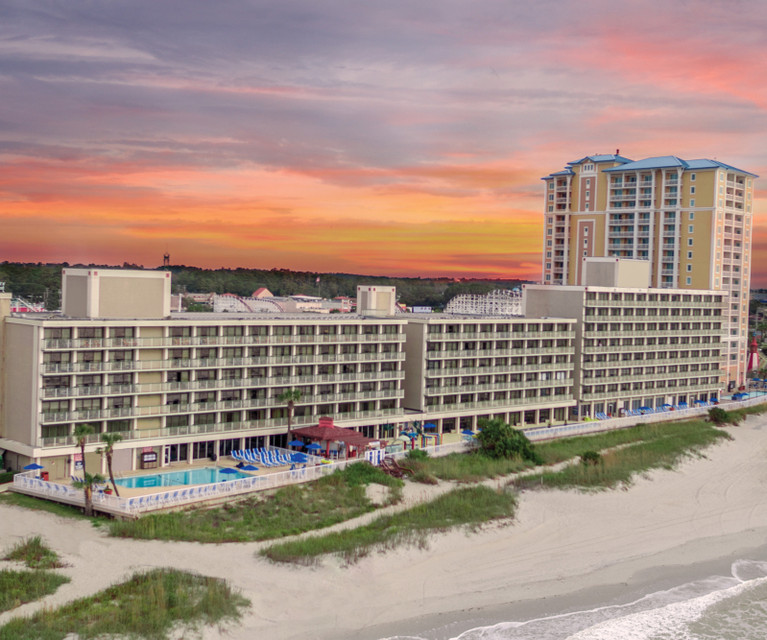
pixel 28 482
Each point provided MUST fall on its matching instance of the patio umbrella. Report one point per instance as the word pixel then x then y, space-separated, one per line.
pixel 249 467
pixel 299 457
pixel 296 443
pixel 314 446
pixel 467 432
pixel 430 425
pixel 33 466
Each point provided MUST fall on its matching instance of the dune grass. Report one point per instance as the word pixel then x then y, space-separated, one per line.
pixel 467 467
pixel 29 502
pixel 624 454
pixel 467 506
pixel 35 554
pixel 149 605
pixel 288 511
pixel 20 587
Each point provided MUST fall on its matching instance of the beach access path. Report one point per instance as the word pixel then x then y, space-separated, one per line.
pixel 561 543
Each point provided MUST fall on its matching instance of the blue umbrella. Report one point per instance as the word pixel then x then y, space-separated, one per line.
pixel 430 425
pixel 314 446
pixel 467 432
pixel 249 467
pixel 33 466
pixel 299 457
pixel 296 443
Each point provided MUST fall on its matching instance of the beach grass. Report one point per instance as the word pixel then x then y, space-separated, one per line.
pixel 34 553
pixel 29 502
pixel 20 587
pixel 739 414
pixel 623 454
pixel 467 467
pixel 150 605
pixel 288 511
pixel 466 506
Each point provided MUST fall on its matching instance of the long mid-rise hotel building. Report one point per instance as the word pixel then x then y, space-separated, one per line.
pixel 691 219
pixel 181 387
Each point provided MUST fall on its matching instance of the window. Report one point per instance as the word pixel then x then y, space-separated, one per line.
pixel 689 268
pixel 689 255
pixel 692 177
pixel 690 229
pixel 551 185
pixel 689 280
pixel 692 190
pixel 691 214
pixel 689 242
pixel 551 197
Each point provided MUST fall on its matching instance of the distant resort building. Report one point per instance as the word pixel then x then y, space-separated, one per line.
pixel 691 220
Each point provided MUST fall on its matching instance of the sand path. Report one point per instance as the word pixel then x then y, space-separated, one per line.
pixel 561 542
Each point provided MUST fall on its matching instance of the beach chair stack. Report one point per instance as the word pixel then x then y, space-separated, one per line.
pixel 262 457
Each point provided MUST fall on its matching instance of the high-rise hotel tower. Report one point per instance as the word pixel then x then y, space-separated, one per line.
pixel 690 218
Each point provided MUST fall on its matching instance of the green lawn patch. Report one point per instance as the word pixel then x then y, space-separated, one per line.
pixel 28 502
pixel 149 605
pixel 466 506
pixel 288 511
pixel 624 454
pixel 20 587
pixel 467 467
pixel 35 554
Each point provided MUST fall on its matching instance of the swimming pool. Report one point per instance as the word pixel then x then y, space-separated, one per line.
pixel 206 475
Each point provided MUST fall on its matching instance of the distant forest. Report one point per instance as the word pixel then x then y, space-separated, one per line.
pixel 41 283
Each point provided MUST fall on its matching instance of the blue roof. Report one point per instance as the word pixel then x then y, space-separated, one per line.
pixel 668 162
pixel 564 172
pixel 607 157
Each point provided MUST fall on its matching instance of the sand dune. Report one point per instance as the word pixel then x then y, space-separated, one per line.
pixel 563 544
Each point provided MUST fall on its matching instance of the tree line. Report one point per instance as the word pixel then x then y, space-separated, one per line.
pixel 41 283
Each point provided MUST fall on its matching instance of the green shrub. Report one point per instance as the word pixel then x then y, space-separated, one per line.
pixel 591 458
pixel 417 454
pixel 718 416
pixel 498 439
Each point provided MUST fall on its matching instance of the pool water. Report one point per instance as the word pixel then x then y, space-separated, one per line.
pixel 206 475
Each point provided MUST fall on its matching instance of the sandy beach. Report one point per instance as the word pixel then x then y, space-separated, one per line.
pixel 566 550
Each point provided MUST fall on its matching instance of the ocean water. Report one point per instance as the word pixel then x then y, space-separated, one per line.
pixel 716 608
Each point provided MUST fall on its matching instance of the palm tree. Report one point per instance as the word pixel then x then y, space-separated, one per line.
pixel 82 431
pixel 290 397
pixel 109 440
pixel 87 484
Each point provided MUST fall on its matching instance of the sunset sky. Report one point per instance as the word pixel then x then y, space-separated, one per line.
pixel 394 138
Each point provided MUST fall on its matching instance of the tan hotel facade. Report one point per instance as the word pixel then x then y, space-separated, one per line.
pixel 691 219
pixel 191 386
pixel 187 387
